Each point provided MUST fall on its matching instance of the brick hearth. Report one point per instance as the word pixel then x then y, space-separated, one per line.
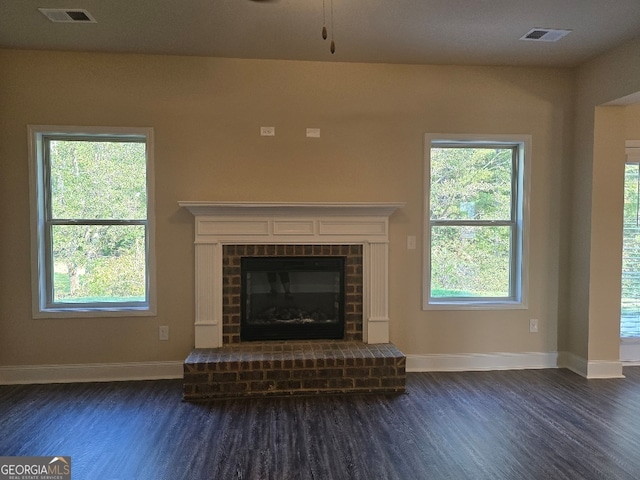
pixel 258 369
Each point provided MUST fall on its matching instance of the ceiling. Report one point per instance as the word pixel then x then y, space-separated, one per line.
pixel 462 32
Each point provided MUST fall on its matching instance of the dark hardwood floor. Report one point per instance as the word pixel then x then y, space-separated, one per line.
pixel 536 424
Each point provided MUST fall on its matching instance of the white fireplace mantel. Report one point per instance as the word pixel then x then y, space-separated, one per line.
pixel 234 223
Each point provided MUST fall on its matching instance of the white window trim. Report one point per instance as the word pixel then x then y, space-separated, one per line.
pixel 477 304
pixel 36 185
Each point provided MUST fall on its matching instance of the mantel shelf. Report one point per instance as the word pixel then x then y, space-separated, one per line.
pixel 290 209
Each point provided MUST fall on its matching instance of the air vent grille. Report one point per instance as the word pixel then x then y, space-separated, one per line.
pixel 545 35
pixel 67 15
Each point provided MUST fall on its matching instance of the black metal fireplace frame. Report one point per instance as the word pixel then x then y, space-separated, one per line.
pixel 250 331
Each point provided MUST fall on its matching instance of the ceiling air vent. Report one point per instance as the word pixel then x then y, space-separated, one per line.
pixel 67 15
pixel 545 35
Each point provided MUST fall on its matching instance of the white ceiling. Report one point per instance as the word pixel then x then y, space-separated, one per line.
pixel 464 32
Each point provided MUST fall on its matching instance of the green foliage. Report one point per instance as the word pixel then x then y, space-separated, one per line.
pixel 61 281
pixel 470 259
pixel 98 180
pixel 470 185
pixel 117 277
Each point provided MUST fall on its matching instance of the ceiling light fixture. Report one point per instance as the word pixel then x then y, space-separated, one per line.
pixel 332 48
pixel 324 22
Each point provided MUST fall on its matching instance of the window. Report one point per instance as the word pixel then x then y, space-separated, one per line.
pixel 92 221
pixel 475 249
pixel 630 301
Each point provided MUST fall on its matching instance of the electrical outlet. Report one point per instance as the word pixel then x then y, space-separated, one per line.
pixel 268 131
pixel 163 332
pixel 533 325
pixel 411 242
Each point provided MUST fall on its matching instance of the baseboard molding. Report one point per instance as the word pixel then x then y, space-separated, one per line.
pixel 590 369
pixel 91 372
pixel 481 361
pixel 115 372
pixel 573 362
pixel 603 369
pixel 630 352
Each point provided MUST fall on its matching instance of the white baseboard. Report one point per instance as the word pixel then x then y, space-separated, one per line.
pixel 593 369
pixel 481 361
pixel 91 372
pixel 630 352
pixel 573 362
pixel 604 369
pixel 114 372
pixel 590 369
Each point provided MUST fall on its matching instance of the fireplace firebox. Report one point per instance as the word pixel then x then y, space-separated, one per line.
pixel 292 298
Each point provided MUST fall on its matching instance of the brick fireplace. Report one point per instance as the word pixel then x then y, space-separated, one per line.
pixel 364 360
pixel 231 259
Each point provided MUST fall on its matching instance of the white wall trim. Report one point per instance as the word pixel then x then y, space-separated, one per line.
pixel 629 351
pixel 573 362
pixel 604 369
pixel 37 188
pixel 90 372
pixel 264 223
pixel 481 361
pixel 592 369
pixel 521 257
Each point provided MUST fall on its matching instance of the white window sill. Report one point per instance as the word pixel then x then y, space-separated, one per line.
pixel 473 305
pixel 95 312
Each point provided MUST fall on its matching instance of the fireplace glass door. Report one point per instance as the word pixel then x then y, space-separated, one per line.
pixel 292 298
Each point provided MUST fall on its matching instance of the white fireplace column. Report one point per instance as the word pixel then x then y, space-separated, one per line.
pixel 227 223
pixel 208 322
pixel 375 272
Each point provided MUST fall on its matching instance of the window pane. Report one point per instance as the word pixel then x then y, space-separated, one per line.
pixel 98 263
pixel 630 302
pixel 471 183
pixel 470 261
pixel 98 180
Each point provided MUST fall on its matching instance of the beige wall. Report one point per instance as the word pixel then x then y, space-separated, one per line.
pixel 591 330
pixel 606 237
pixel 206 114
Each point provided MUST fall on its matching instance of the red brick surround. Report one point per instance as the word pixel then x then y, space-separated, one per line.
pixel 231 255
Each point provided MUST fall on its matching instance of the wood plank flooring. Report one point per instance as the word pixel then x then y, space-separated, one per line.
pixel 536 424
